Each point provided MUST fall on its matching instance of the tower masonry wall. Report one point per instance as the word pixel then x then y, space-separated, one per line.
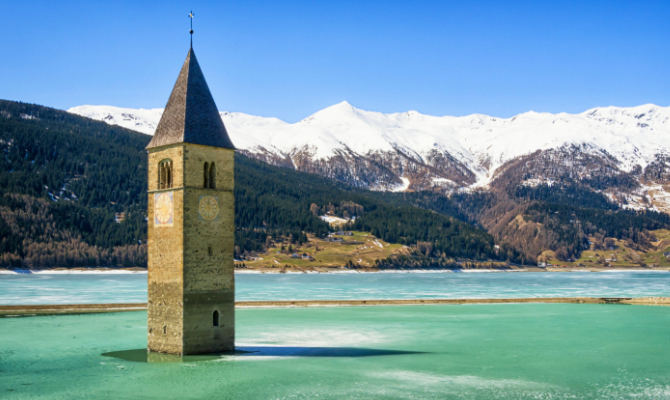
pixel 195 156
pixel 165 259
pixel 209 278
pixel 191 271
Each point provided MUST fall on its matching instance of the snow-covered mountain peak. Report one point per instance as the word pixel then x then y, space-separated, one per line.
pixel 644 116
pixel 477 145
pixel 342 113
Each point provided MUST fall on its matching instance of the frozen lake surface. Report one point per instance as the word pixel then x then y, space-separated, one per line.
pixel 482 351
pixel 132 288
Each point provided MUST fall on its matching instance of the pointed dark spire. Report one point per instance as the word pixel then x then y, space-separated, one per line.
pixel 191 115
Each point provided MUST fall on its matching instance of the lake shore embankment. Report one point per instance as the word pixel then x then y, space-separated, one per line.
pixel 54 309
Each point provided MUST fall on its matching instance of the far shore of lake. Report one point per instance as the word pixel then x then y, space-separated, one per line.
pixel 339 270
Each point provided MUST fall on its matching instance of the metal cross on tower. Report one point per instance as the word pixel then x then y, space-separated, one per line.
pixel 191 15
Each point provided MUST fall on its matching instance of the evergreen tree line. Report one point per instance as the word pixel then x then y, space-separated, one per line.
pixel 448 237
pixel 574 212
pixel 39 233
pixel 63 179
pixel 567 213
pixel 568 193
pixel 52 154
pixel 280 200
pixel 573 225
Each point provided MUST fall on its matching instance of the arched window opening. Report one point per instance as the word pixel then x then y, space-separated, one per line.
pixel 164 329
pixel 212 176
pixel 206 176
pixel 165 174
pixel 161 177
pixel 209 251
pixel 215 318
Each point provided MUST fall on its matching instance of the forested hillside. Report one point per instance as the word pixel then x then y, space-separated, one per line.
pixel 73 193
pixel 560 217
pixel 62 181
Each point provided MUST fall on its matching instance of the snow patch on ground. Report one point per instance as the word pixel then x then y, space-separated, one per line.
pixel 650 196
pixel 333 220
pixel 441 182
pixel 537 182
pixel 402 187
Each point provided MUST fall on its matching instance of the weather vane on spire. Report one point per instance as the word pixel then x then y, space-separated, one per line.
pixel 191 15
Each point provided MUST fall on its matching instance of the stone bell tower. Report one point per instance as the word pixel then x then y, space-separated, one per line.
pixel 191 307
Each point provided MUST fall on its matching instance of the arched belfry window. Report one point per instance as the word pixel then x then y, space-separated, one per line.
pixel 215 318
pixel 206 176
pixel 209 176
pixel 212 176
pixel 165 174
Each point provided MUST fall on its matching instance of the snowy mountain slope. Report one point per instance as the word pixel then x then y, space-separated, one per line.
pixel 383 151
pixel 140 120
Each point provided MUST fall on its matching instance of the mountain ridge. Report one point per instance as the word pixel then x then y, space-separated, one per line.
pixel 383 151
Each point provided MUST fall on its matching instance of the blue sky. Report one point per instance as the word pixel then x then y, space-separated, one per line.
pixel 289 59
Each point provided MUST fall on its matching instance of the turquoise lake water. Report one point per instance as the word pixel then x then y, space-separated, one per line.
pixel 132 288
pixel 504 351
pixel 478 351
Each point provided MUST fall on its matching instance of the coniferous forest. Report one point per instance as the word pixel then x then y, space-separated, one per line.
pixel 73 193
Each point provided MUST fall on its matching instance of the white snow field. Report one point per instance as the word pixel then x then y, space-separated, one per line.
pixel 634 136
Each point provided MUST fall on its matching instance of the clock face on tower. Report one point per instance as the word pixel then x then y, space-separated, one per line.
pixel 208 207
pixel 163 209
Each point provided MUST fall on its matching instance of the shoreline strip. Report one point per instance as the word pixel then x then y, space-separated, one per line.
pixel 51 309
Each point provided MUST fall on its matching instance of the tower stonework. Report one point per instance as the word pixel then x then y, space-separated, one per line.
pixel 191 304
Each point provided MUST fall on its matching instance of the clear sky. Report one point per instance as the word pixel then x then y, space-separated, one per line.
pixel 288 59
